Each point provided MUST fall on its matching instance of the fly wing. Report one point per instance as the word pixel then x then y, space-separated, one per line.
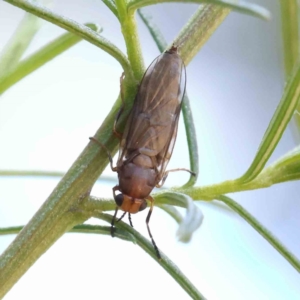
pixel 152 125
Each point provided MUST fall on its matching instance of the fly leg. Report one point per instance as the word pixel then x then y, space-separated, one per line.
pixel 112 227
pixel 115 169
pixel 165 175
pixel 119 135
pixel 147 223
pixel 129 218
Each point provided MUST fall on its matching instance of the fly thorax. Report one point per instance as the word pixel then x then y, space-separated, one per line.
pixel 143 161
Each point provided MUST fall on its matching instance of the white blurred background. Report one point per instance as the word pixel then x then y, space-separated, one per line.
pixel 234 84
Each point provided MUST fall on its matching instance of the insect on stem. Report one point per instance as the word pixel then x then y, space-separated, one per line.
pixel 149 136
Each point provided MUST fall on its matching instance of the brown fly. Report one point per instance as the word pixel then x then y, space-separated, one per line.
pixel 149 136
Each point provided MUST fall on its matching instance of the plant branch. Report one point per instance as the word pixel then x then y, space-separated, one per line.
pixel 277 126
pixel 239 6
pixel 19 42
pixel 130 34
pixel 76 28
pixel 40 58
pixel 165 262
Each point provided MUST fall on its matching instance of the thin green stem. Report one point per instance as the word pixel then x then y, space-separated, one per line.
pixel 165 262
pixel 290 34
pixel 130 34
pixel 19 42
pixel 83 228
pixel 199 29
pixel 262 230
pixel 172 211
pixel 277 126
pixel 59 213
pixel 112 6
pixel 40 58
pixel 239 6
pixel 76 28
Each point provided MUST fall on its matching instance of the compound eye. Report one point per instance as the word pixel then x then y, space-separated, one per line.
pixel 143 206
pixel 119 199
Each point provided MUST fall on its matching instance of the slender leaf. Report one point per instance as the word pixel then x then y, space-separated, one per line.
pixel 172 211
pixel 76 28
pixel 19 42
pixel 199 29
pixel 112 6
pixel 165 262
pixel 286 168
pixel 131 37
pixel 277 125
pixel 84 228
pixel 40 58
pixel 154 30
pixel 290 34
pixel 262 230
pixel 239 6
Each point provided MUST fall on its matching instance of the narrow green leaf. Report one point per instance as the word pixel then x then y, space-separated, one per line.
pixel 277 125
pixel 112 6
pixel 154 30
pixel 84 228
pixel 172 211
pixel 76 28
pixel 199 29
pixel 239 6
pixel 287 168
pixel 193 218
pixel 165 262
pixel 131 37
pixel 290 34
pixel 262 230
pixel 40 58
pixel 186 108
pixel 18 43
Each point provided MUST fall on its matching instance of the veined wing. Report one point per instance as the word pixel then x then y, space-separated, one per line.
pixel 152 125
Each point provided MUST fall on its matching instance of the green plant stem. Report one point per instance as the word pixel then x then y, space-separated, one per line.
pixel 58 213
pixel 262 230
pixel 112 6
pixel 165 262
pixel 76 28
pixel 32 242
pixel 130 34
pixel 83 228
pixel 240 6
pixel 199 29
pixel 40 58
pixel 19 42
pixel 290 34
